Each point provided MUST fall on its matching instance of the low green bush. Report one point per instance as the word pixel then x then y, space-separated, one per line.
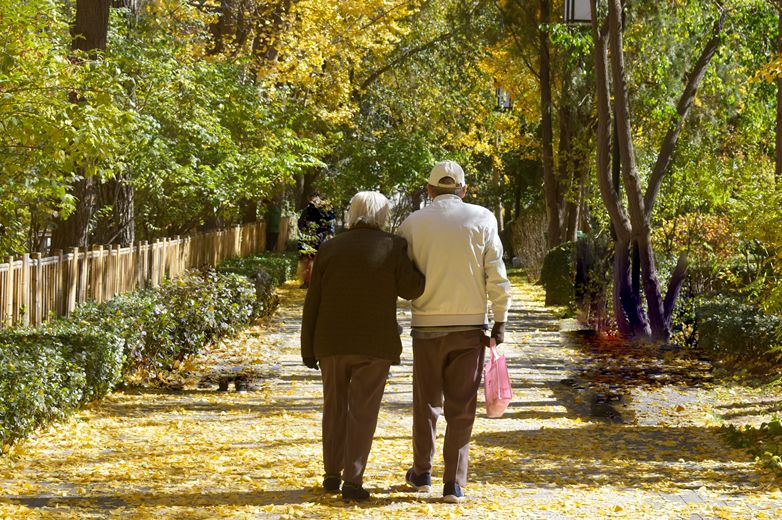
pixel 143 322
pixel 266 272
pixel 206 306
pixel 558 274
pixel 279 266
pixel 47 373
pixel 739 333
pixel 764 442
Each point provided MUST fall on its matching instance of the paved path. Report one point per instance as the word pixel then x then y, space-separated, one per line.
pixel 200 453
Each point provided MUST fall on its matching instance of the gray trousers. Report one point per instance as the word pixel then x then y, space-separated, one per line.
pixel 352 390
pixel 446 375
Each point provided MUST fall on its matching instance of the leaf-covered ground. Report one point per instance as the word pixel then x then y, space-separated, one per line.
pixel 200 453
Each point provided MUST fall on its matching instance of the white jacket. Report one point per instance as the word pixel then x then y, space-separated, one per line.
pixel 457 247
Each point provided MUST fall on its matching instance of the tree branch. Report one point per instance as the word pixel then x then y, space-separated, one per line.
pixel 607 190
pixel 682 109
pixel 522 52
pixel 420 48
pixel 404 56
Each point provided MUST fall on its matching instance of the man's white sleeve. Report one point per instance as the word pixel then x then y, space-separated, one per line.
pixel 497 284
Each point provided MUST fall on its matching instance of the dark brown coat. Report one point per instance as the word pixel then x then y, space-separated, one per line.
pixel 350 306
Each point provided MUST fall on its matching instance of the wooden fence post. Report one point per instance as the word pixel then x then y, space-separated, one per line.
pixel 73 277
pixel 97 272
pixel 8 297
pixel 116 272
pixel 26 296
pixel 83 278
pixel 37 284
pixel 145 264
pixel 59 276
pixel 155 267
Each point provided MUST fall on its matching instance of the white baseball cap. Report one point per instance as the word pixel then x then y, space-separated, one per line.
pixel 447 169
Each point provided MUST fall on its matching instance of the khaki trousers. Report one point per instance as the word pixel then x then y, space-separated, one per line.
pixel 352 390
pixel 446 375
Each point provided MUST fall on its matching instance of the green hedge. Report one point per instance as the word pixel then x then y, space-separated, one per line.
pixel 737 332
pixel 279 266
pixel 764 442
pixel 47 373
pixel 558 274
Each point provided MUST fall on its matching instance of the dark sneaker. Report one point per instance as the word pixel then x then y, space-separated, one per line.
pixel 422 482
pixel 452 493
pixel 352 491
pixel 331 483
pixel 305 285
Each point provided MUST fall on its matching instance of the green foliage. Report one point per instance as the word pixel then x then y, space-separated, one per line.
pixel 46 374
pixel 558 274
pixel 266 272
pixel 739 334
pixel 764 442
pixel 207 306
pixel 144 323
pixel 279 266
pixel 159 327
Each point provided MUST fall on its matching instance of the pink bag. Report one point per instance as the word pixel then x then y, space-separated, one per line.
pixel 496 383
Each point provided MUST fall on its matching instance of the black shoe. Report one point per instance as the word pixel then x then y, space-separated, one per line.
pixel 422 482
pixel 305 285
pixel 331 483
pixel 452 493
pixel 352 491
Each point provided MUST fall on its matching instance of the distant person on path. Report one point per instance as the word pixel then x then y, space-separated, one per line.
pixel 316 225
pixel 273 216
pixel 457 247
pixel 349 327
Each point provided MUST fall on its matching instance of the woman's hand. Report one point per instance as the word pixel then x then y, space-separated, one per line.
pixel 310 362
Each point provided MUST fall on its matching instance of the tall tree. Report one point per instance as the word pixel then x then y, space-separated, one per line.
pixel 633 223
pixel 550 184
pixel 778 151
pixel 89 34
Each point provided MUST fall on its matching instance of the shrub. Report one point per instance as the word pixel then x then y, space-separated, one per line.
pixel 279 266
pixel 266 272
pixel 558 274
pixel 49 372
pixel 764 442
pixel 46 374
pixel 738 332
pixel 142 321
pixel 206 306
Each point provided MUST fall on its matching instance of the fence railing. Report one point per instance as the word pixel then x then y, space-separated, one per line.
pixel 34 289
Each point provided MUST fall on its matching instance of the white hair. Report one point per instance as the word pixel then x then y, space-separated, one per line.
pixel 369 208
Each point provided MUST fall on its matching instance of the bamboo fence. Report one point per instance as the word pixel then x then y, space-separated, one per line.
pixel 34 289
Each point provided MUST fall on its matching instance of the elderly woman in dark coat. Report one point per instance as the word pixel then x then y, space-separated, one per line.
pixel 349 327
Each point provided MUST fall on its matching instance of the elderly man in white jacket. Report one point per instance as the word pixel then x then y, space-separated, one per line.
pixel 457 247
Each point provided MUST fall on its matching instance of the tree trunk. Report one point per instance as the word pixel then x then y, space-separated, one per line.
pixel 89 33
pixel 651 286
pixel 566 174
pixel 219 28
pixel 674 286
pixel 549 177
pixel 74 231
pixel 124 212
pixel 249 211
pixel 118 225
pixel 778 154
pixel 91 27
pixel 631 319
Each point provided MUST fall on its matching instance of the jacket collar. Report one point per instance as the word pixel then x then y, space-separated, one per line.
pixel 361 225
pixel 446 199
